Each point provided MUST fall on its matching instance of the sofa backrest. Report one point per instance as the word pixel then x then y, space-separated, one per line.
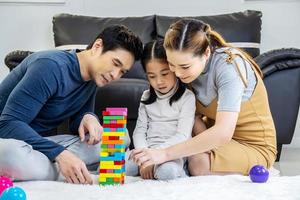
pixel 242 29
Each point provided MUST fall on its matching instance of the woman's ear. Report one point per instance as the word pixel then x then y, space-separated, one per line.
pixel 207 53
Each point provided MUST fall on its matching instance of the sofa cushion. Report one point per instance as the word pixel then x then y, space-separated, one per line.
pixel 77 29
pixel 240 28
pixel 81 30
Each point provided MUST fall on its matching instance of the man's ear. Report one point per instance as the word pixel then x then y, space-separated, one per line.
pixel 97 46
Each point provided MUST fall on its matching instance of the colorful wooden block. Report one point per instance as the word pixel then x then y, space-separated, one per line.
pixel 104 166
pixel 113 133
pixel 113 117
pixel 113 142
pixel 114 125
pixel 114 130
pixel 112 156
pixel 116 113
pixel 121 121
pixel 117 109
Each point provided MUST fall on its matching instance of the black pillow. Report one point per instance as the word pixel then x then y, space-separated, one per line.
pixel 76 29
pixel 240 28
pixel 81 30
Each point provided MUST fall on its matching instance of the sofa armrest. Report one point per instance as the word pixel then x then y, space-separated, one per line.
pixel 281 69
pixel 14 58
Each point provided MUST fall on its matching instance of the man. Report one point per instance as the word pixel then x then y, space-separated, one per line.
pixel 46 89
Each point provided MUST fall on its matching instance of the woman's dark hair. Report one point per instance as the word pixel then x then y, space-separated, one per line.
pixel 195 36
pixel 155 50
pixel 119 36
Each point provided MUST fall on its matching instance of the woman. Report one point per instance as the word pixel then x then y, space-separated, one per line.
pixel 233 128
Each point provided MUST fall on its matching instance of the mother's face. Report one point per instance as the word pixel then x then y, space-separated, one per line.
pixel 186 65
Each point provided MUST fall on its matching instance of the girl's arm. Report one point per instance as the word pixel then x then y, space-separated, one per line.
pixel 185 119
pixel 140 131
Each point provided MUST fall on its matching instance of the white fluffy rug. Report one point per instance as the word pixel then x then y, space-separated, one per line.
pixel 198 188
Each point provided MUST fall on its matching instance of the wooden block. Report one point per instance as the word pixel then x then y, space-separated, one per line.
pixel 113 117
pixel 105 166
pixel 110 175
pixel 113 133
pixel 121 121
pixel 122 162
pixel 114 125
pixel 113 142
pixel 104 154
pixel 115 113
pixel 117 109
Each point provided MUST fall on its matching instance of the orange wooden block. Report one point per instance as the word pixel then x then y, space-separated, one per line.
pixel 110 138
pixel 113 142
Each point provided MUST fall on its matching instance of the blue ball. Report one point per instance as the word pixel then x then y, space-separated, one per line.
pixel 13 193
pixel 259 174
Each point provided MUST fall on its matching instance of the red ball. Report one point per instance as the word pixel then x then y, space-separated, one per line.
pixel 5 183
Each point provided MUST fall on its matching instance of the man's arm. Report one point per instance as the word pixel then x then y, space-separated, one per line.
pixel 25 101
pixel 87 108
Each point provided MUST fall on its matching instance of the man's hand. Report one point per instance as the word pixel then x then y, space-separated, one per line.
pixel 89 124
pixel 73 169
pixel 147 173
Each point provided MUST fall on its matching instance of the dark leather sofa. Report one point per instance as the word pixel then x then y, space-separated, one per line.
pixel 281 67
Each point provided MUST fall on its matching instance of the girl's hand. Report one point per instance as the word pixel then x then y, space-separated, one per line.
pixel 147 172
pixel 146 157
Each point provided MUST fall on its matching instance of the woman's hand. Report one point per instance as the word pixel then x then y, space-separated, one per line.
pixel 146 157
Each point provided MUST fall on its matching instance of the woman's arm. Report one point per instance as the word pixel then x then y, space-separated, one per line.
pixel 219 134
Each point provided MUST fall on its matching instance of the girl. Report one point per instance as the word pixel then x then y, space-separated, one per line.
pixel 233 115
pixel 166 114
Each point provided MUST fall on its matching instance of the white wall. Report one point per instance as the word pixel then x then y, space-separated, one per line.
pixel 29 26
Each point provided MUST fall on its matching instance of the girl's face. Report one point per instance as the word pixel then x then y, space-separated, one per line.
pixel 160 76
pixel 186 65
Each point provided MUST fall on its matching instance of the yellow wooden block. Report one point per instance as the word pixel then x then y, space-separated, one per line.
pixel 102 179
pixel 115 150
pixel 113 133
pixel 112 151
pixel 104 154
pixel 105 162
pixel 110 175
pixel 103 166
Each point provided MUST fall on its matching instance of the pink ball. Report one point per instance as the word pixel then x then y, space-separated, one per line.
pixel 5 183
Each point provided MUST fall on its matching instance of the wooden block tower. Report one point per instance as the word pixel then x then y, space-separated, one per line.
pixel 112 155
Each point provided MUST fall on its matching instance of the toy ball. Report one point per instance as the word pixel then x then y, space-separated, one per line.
pixel 259 174
pixel 5 183
pixel 13 193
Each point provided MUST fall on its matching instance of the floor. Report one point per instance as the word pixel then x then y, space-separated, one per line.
pixel 289 164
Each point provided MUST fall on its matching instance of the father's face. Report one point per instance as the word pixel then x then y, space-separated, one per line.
pixel 110 66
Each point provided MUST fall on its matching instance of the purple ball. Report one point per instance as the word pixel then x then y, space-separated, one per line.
pixel 259 174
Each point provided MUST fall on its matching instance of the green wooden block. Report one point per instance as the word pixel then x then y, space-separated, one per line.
pixel 113 117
